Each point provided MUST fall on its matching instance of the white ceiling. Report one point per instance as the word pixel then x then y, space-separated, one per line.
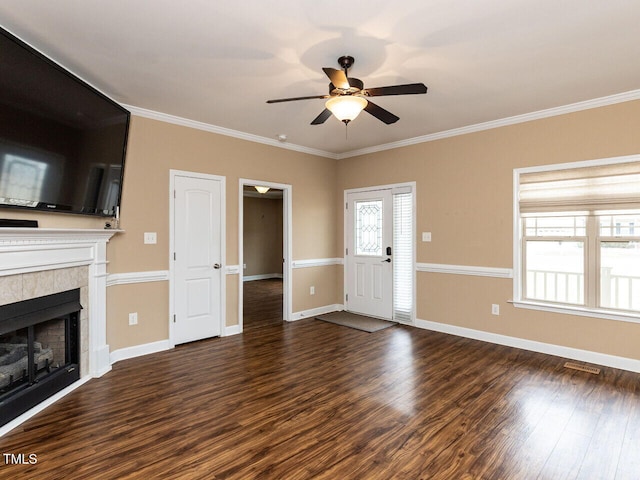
pixel 217 62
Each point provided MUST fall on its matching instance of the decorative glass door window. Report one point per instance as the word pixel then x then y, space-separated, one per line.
pixel 369 227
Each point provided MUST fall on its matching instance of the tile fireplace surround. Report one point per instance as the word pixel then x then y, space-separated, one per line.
pixel 40 261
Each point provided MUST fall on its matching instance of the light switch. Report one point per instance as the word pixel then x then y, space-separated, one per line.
pixel 150 237
pixel 426 236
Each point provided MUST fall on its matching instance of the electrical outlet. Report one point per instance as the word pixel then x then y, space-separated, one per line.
pixel 495 309
pixel 150 238
pixel 312 290
pixel 133 318
pixel 426 236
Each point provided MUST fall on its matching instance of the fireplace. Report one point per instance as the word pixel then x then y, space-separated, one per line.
pixel 39 350
pixel 38 262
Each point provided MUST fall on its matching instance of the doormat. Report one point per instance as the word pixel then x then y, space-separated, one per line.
pixel 359 322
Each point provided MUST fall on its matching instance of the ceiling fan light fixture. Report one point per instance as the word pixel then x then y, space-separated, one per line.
pixel 346 107
pixel 261 189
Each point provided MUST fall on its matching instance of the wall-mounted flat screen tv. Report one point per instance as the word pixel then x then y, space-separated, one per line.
pixel 62 142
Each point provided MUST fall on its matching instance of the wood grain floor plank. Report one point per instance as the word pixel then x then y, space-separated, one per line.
pixel 312 400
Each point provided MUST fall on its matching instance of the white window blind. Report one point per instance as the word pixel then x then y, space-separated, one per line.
pixel 403 257
pixel 592 189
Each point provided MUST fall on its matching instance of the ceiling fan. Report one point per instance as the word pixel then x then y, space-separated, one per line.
pixel 347 96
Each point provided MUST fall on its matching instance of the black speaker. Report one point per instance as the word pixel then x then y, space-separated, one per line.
pixel 15 223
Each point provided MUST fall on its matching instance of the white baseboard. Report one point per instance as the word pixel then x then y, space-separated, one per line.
pixel 587 356
pixel 316 311
pixel 232 330
pixel 42 405
pixel 139 350
pixel 262 276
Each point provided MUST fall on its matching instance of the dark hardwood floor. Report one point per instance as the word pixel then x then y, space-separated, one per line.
pixel 262 303
pixel 313 400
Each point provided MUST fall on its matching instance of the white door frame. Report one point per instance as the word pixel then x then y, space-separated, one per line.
pixel 223 247
pixel 286 245
pixel 392 186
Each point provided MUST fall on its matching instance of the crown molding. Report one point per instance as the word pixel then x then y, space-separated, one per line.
pixel 478 127
pixel 503 122
pixel 207 127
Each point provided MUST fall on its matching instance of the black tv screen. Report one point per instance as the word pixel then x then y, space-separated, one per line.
pixel 62 142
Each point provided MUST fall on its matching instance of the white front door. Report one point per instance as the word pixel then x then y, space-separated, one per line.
pixel 198 258
pixel 369 275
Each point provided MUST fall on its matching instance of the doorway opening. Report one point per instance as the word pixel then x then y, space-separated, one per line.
pixel 264 246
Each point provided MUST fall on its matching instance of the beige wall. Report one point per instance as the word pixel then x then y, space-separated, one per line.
pixel 464 197
pixel 55 220
pixel 157 147
pixel 262 241
pixel 149 301
pixel 327 282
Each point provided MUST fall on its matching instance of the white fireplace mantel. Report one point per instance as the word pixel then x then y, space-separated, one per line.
pixel 27 250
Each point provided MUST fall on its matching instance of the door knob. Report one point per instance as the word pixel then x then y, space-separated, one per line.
pixel 217 266
pixel 388 260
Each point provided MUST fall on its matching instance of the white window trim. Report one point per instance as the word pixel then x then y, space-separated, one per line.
pixel 576 310
pixel 517 246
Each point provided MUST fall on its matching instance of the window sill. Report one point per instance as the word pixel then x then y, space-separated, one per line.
pixel 584 312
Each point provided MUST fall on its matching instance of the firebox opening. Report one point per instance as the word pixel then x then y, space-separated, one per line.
pixel 39 350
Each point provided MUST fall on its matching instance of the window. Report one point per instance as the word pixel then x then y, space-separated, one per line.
pixel 577 244
pixel 403 256
pixel 369 227
pixel 619 249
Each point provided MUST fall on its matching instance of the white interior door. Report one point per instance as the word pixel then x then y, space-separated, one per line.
pixel 198 258
pixel 369 275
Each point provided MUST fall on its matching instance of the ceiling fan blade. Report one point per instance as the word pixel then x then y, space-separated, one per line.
pixel 326 113
pixel 293 99
pixel 380 113
pixel 337 77
pixel 408 89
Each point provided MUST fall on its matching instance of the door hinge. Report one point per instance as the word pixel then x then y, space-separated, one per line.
pixel 346 206
pixel 174 256
pixel 346 297
pixel 346 251
pixel 174 194
pixel 174 318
